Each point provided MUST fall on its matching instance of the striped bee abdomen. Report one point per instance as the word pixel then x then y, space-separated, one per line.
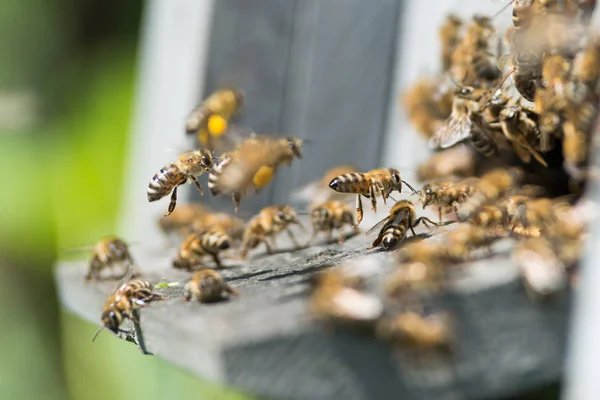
pixel 164 181
pixel 213 176
pixel 392 237
pixel 483 144
pixel 213 242
pixel 350 183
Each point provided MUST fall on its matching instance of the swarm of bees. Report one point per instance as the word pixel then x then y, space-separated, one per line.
pixel 504 127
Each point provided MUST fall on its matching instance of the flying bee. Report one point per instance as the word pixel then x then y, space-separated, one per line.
pixel 416 331
pixel 329 216
pixel 207 286
pixel 252 164
pixel 181 219
pixel 338 298
pixel 267 225
pixel 107 253
pixel 521 131
pixel 221 222
pixel 456 161
pixel 124 302
pixel 542 271
pixel 491 186
pixel 447 195
pixel 171 176
pixel 466 122
pixel 370 185
pixel 198 245
pixel 449 36
pixel 394 227
pixel 210 119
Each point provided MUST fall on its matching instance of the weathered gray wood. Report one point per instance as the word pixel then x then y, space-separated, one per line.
pixel 265 342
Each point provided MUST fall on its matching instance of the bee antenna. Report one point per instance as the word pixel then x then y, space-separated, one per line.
pixel 503 8
pixel 410 187
pixel 97 333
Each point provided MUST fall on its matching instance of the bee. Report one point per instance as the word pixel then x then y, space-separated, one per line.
pixel 428 103
pixel 207 286
pixel 534 213
pixel 171 176
pixel 446 195
pixel 416 331
pixel 466 122
pixel 550 100
pixel 338 298
pixel 460 243
pixel 491 216
pixel 394 227
pixel 198 245
pixel 124 301
pixel 210 119
pixel 456 161
pixel 542 271
pixel 522 12
pixel 266 225
pixel 521 130
pixel 106 254
pixel 423 274
pixel 181 219
pixel 370 185
pixel 525 67
pixel 221 222
pixel 449 36
pixel 252 164
pixel 491 186
pixel 329 216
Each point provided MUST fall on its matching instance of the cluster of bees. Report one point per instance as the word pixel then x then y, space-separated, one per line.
pixel 490 117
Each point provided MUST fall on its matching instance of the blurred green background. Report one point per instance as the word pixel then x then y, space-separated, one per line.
pixel 67 78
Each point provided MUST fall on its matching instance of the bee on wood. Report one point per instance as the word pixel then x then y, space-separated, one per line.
pixel 267 225
pixel 171 176
pixel 106 254
pixel 218 222
pixel 542 271
pixel 181 219
pixel 447 195
pixel 207 286
pixel 521 130
pixel 210 120
pixel 338 298
pixel 415 331
pixel 393 228
pixel 199 245
pixel 449 36
pixel 252 164
pixel 378 182
pixel 456 161
pixel 123 302
pixel 329 216
pixel 466 122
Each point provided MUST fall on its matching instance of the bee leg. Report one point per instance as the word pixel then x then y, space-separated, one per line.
pixel 269 248
pixel 217 260
pixel 293 238
pixel 173 202
pixel 195 180
pixel 373 195
pixel 440 213
pixel 237 198
pixel 231 290
pixel 341 236
pixel 329 235
pixel 359 211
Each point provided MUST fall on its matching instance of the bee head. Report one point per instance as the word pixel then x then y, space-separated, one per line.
pixel 296 146
pixel 111 321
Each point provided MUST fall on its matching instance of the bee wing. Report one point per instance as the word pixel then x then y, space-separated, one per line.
pixel 456 129
pixel 505 62
pixel 403 214
pixel 377 227
pixel 356 305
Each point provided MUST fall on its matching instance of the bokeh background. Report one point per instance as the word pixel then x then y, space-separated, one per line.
pixel 67 77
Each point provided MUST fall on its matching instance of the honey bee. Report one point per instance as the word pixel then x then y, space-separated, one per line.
pixel 221 222
pixel 394 227
pixel 460 243
pixel 124 301
pixel 416 331
pixel 466 122
pixel 106 254
pixel 266 225
pixel 521 130
pixel 456 161
pixel 171 176
pixel 181 219
pixel 423 274
pixel 252 164
pixel 207 286
pixel 337 298
pixel 536 213
pixel 198 245
pixel 329 216
pixel 210 119
pixel 428 103
pixel 449 36
pixel 370 185
pixel 525 67
pixel 550 100
pixel 542 271
pixel 446 195
pixel 491 216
